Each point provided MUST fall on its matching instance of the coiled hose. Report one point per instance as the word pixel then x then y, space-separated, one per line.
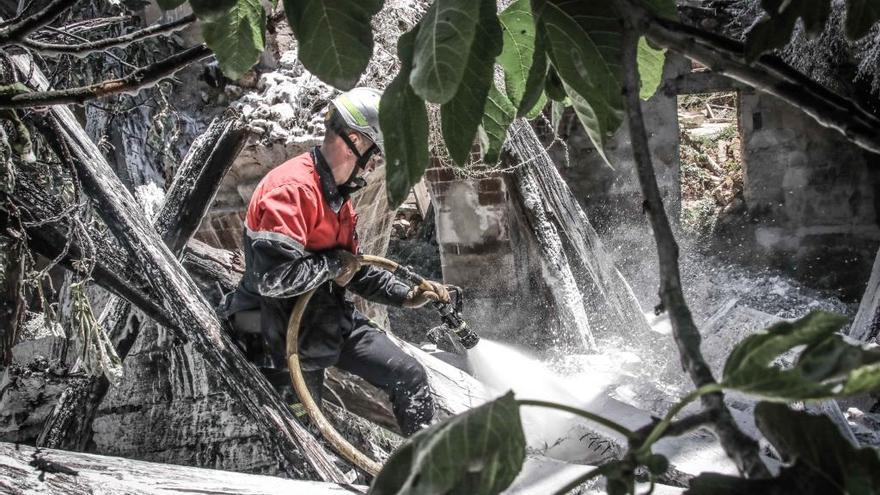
pixel 340 444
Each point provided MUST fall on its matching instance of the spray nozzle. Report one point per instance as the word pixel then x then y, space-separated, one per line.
pixel 450 313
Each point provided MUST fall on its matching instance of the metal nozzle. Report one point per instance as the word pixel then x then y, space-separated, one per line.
pixel 468 337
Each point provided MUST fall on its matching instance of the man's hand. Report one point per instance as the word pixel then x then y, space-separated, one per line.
pixel 350 266
pixel 418 297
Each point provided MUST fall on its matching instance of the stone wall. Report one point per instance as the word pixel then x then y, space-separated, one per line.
pixel 811 196
pixel 473 233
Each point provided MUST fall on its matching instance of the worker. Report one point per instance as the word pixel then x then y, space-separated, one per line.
pixel 299 235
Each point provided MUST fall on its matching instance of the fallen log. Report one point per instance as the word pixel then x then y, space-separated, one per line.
pixel 188 199
pixel 297 452
pixel 24 469
pixel 610 303
pixel 866 325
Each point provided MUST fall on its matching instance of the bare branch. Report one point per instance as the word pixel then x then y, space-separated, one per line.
pixel 137 80
pixel 740 447
pixel 89 47
pixel 768 74
pixel 19 30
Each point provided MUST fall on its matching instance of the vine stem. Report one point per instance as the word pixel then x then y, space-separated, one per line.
pixel 135 81
pixel 739 446
pixel 661 427
pixel 629 434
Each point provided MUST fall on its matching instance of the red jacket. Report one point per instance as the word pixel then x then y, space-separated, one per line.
pixel 290 200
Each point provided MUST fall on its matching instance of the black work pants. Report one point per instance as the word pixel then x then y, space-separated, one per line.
pixel 370 354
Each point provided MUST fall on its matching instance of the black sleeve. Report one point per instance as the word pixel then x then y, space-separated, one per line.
pixel 282 269
pixel 379 285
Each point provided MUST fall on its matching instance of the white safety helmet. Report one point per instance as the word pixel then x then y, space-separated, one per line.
pixel 359 109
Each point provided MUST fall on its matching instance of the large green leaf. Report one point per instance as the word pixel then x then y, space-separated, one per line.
pixel 590 119
pixel 553 86
pixel 497 117
pixel 335 37
pixel 237 38
pixel 557 110
pixel 460 117
pixel 775 28
pixel 443 48
pixel 828 367
pixel 523 58
pixel 584 44
pixel 538 108
pixel 478 452
pixel 860 16
pixel 662 8
pixel 404 122
pixel 821 461
pixel 650 68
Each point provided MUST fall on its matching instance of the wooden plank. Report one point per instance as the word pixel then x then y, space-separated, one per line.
pixel 423 198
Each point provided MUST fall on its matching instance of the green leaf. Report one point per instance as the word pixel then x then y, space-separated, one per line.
pixel 460 117
pixel 650 68
pixel 774 29
pixel 860 16
pixel 238 38
pixel 335 37
pixel 212 10
pixel 478 452
pixel 590 119
pixel 821 460
pixel 584 44
pixel 443 48
pixel 553 86
pixel 538 108
pixel 169 4
pixel 498 115
pixel 404 122
pixel 557 110
pixel 828 367
pixel 662 8
pixel 523 58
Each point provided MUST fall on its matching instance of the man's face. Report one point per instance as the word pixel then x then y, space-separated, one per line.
pixel 362 143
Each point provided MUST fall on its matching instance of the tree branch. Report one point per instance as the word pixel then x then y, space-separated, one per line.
pixel 740 447
pixel 89 47
pixel 768 74
pixel 17 31
pixel 137 80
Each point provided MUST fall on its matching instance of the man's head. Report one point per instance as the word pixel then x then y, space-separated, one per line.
pixel 353 140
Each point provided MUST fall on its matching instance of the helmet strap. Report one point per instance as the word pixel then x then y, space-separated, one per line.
pixel 362 159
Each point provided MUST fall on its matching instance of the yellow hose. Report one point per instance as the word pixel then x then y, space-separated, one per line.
pixel 340 444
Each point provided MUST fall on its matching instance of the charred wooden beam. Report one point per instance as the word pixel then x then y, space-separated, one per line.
pixel 25 469
pixel 191 193
pixel 297 452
